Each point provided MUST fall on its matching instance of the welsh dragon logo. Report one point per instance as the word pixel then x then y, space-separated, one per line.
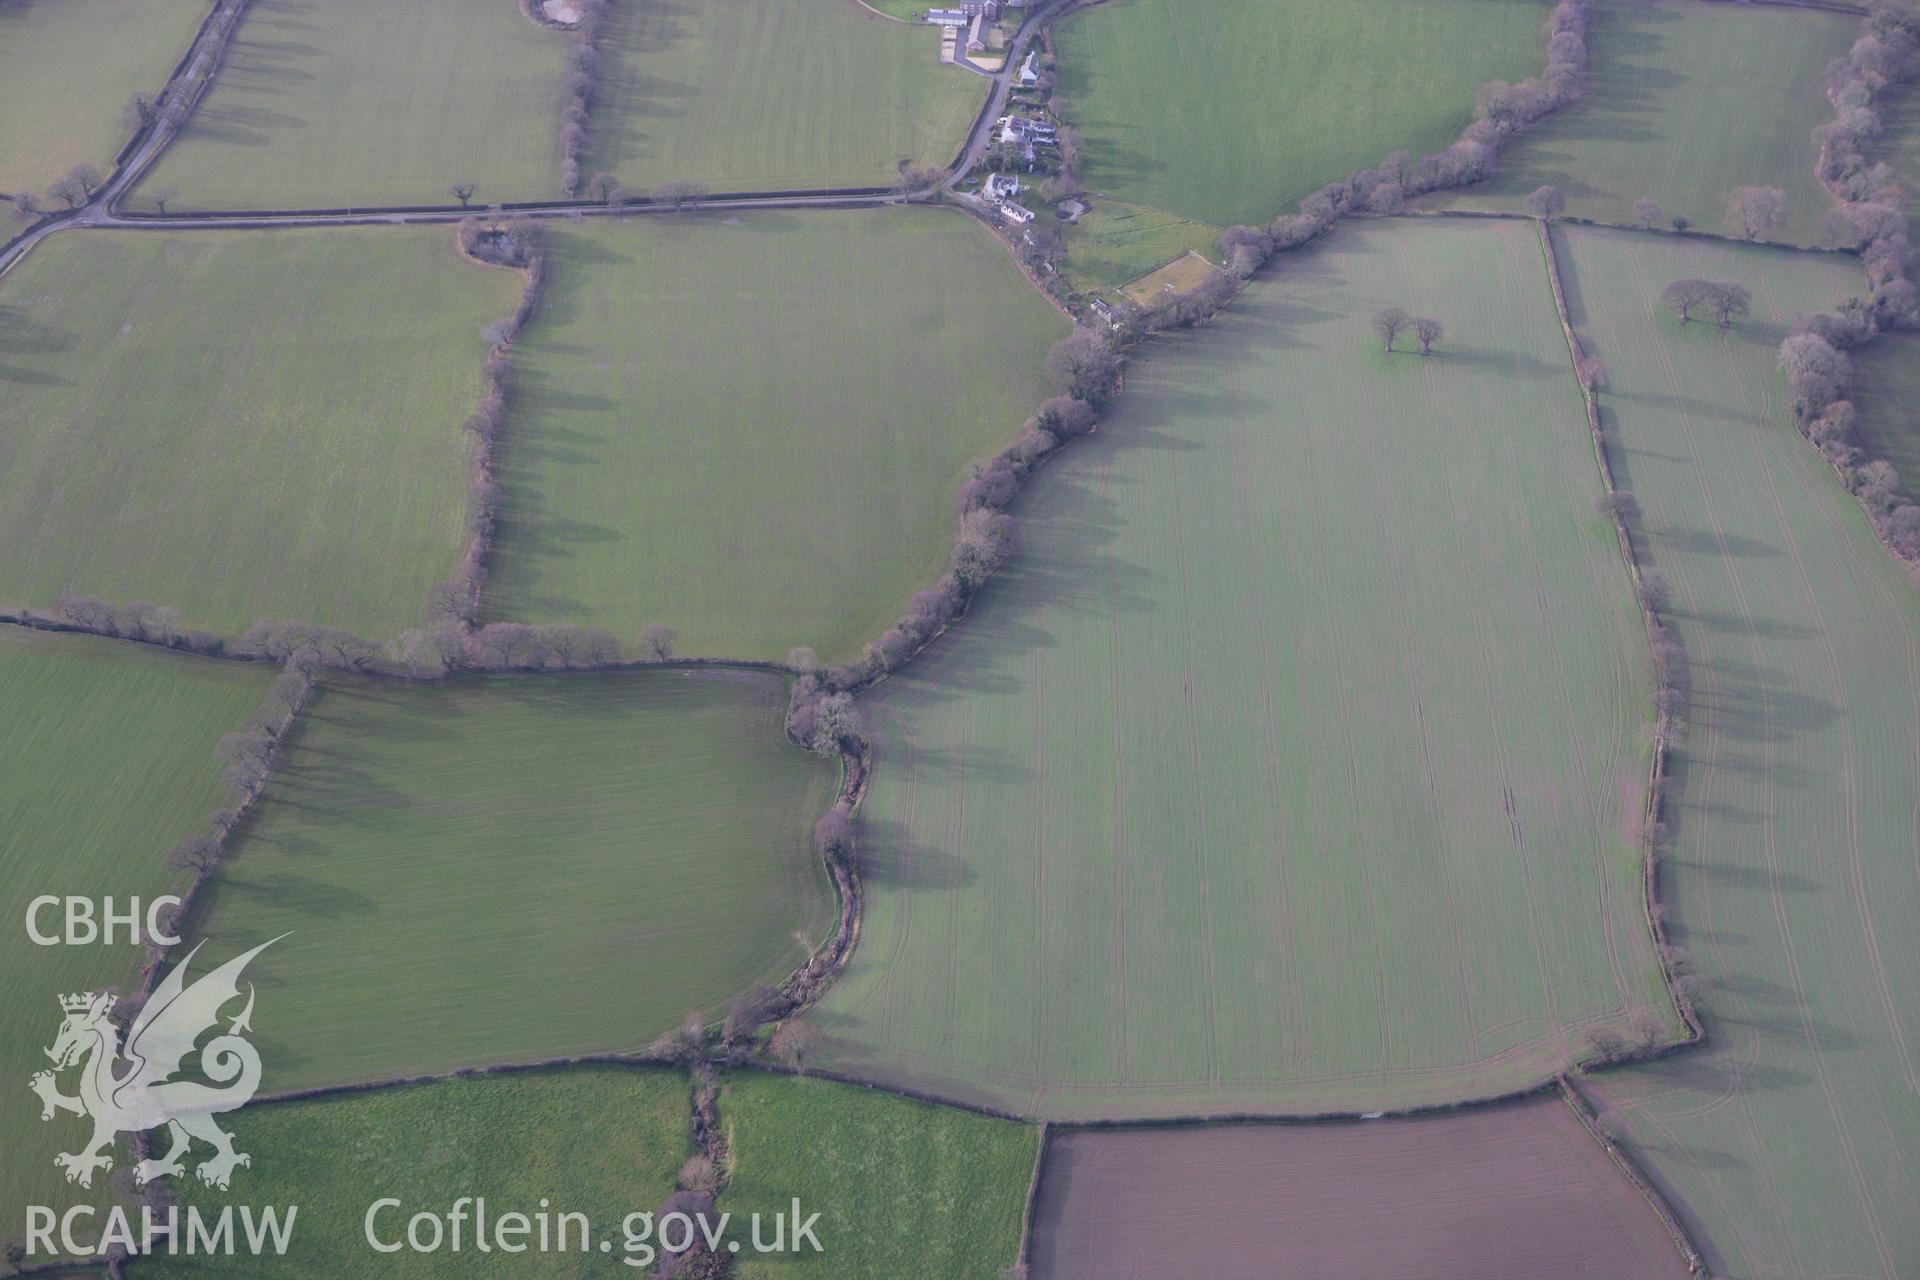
pixel 143 1094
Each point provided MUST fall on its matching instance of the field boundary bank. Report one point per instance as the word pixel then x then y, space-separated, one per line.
pixel 1023 1255
pixel 1583 1108
pixel 1665 728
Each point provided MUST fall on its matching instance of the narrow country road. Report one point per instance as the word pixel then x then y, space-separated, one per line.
pixel 102 210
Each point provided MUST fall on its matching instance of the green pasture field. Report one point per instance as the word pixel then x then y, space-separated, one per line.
pixel 902 1187
pixel 759 95
pixel 241 425
pixel 751 430
pixel 1226 112
pixel 1899 145
pixel 1787 1141
pixel 321 104
pixel 1115 243
pixel 1886 390
pixel 108 754
pixel 1684 103
pixel 601 1141
pixel 905 10
pixel 65 70
pixel 512 869
pixel 1292 766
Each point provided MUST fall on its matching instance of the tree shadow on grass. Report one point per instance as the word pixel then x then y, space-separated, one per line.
pixel 891 858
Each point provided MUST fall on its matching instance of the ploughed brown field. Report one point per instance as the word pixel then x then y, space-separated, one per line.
pixel 1519 1190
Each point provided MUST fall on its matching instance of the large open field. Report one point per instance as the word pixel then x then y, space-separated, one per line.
pixel 1518 1191
pixel 241 425
pixel 1292 764
pixel 1788 1140
pixel 599 1141
pixel 65 69
pixel 752 432
pixel 755 95
pixel 1226 112
pixel 107 755
pixel 1685 102
pixel 903 1188
pixel 1886 388
pixel 329 103
pixel 512 869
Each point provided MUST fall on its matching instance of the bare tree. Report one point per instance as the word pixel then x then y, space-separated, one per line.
pixel 1816 372
pixel 198 854
pixel 68 192
pixel 462 191
pixel 1426 332
pixel 1387 323
pixel 1618 504
pixel 984 543
pixel 160 196
pixel 1756 210
pixel 834 720
pixel 1592 372
pixel 747 1011
pixel 1682 296
pixel 1647 211
pixel 678 195
pixel 604 187
pixel 915 178
pixel 448 640
pixel 795 1042
pixel 87 177
pixel 834 835
pixel 1546 202
pixel 1682 223
pixel 803 659
pixel 140 110
pixel 1728 300
pixel 656 642
pixel 1084 366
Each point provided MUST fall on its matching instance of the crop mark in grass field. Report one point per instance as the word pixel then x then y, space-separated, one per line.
pixel 904 1188
pixel 65 69
pixel 752 431
pixel 601 1141
pixel 512 869
pixel 107 751
pixel 1787 1141
pixel 1684 102
pixel 759 95
pixel 331 103
pixel 1322 680
pixel 241 425
pixel 1509 1192
pixel 1223 112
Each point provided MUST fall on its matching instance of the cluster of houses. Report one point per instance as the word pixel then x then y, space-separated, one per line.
pixel 1001 191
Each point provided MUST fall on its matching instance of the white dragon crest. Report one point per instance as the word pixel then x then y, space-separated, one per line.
pixel 144 1095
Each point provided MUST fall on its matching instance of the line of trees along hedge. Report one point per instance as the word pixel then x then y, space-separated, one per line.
pixel 583 77
pixel 1500 111
pixel 1873 214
